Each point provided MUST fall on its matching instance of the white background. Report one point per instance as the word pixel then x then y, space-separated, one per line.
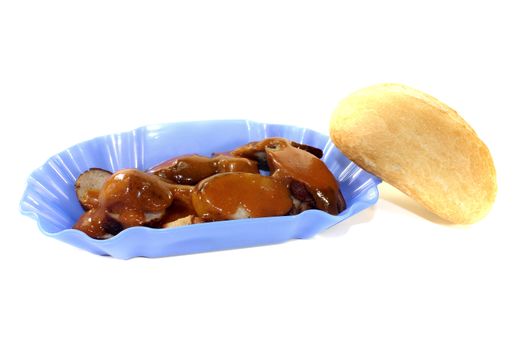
pixel 392 277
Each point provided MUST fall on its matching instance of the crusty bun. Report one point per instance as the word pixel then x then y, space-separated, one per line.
pixel 419 145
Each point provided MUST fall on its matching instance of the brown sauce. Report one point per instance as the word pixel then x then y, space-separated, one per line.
pixel 240 195
pixel 295 165
pixel 131 194
pixel 96 223
pixel 189 170
pixel 91 199
pixel 130 197
pixel 181 206
pixel 291 162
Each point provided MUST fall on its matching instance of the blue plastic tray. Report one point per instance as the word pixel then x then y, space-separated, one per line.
pixel 50 197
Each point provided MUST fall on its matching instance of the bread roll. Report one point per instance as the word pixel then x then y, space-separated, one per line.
pixel 419 145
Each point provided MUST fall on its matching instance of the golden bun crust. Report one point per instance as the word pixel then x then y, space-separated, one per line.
pixel 419 145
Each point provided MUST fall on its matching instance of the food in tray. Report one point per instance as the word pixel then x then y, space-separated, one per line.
pixel 194 189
